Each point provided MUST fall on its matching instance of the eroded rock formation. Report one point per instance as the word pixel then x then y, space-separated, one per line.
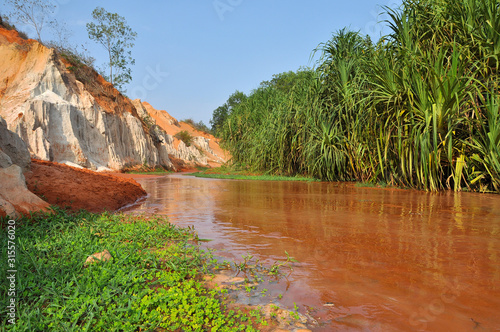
pixel 86 124
pixel 15 198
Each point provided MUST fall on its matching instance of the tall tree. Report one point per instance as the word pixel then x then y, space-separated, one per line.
pixel 220 114
pixel 33 13
pixel 112 32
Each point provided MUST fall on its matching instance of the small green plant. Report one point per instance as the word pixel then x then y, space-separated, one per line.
pixel 148 121
pixel 35 187
pixel 238 173
pixel 147 170
pixel 184 136
pixel 155 132
pixel 275 268
pixel 244 264
pixel 248 289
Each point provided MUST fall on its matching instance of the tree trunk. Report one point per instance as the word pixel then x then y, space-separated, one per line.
pixel 110 63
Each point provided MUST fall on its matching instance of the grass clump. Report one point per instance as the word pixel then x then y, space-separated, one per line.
pixel 153 171
pixel 152 282
pixel 226 172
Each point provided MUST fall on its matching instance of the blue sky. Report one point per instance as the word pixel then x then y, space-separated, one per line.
pixel 191 55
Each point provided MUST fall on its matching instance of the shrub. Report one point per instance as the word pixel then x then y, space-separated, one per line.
pixel 200 126
pixel 81 64
pixel 75 57
pixel 185 137
pixel 4 22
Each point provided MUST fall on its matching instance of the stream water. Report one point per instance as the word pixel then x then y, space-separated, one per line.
pixel 369 259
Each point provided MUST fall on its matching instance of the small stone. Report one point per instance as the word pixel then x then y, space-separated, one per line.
pixel 329 304
pixel 222 277
pixel 302 318
pixel 311 320
pixel 236 280
pixel 98 257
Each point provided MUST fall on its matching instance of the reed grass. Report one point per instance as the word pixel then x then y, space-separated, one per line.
pixel 419 108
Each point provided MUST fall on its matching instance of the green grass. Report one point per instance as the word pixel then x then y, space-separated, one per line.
pixel 224 172
pixel 152 282
pixel 148 171
pixel 252 177
pixel 371 185
pixel 156 172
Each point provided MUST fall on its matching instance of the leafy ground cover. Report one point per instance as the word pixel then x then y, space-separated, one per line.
pixel 153 281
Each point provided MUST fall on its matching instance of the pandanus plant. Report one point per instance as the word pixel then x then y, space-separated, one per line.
pixel 417 109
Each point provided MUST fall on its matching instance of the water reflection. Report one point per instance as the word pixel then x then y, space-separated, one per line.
pixel 389 260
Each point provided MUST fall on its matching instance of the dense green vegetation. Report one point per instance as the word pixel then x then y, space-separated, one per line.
pixel 419 108
pixel 151 283
pixel 221 113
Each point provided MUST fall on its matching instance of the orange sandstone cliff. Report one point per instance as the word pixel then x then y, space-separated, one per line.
pixel 49 114
pixel 86 124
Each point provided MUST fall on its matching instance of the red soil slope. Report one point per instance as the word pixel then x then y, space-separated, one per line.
pixel 77 189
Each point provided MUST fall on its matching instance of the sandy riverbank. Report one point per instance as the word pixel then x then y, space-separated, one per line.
pixel 67 186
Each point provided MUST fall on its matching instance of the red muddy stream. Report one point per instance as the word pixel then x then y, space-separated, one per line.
pixel 388 260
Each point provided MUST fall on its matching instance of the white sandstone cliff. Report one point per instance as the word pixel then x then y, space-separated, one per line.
pixel 15 198
pixel 88 125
